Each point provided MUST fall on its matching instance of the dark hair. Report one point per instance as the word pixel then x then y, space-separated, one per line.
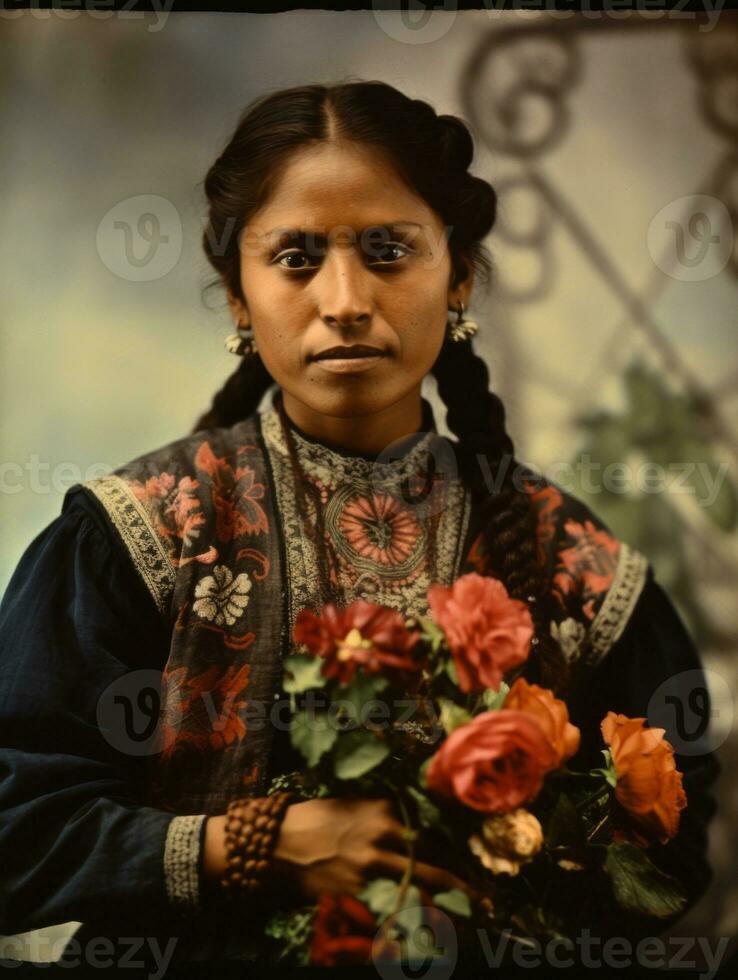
pixel 432 153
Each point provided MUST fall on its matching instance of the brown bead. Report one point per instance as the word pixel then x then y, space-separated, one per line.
pixel 261 821
pixel 271 824
pixel 235 860
pixel 261 866
pixel 236 877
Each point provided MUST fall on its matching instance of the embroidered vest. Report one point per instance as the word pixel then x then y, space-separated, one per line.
pixel 211 524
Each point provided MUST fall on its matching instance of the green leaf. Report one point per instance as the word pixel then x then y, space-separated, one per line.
pixel 565 824
pixel 293 931
pixel 357 753
pixel 455 901
pixel 640 886
pixel 431 633
pixel 359 693
pixel 423 769
pixel 452 715
pixel 609 772
pixel 428 813
pixel 302 673
pixel 452 672
pixel 312 734
pixel 381 896
pixel 494 700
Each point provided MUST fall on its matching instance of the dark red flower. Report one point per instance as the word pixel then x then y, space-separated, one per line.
pixel 343 931
pixel 363 635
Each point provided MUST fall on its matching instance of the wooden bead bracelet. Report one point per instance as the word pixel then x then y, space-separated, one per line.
pixel 252 828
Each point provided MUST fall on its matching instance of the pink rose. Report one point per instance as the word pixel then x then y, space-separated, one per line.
pixel 494 763
pixel 488 632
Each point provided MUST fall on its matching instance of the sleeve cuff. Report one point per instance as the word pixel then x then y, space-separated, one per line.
pixel 182 862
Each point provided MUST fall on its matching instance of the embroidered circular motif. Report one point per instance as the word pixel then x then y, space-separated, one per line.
pixel 373 530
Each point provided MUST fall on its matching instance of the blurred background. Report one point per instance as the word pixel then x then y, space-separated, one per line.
pixel 609 327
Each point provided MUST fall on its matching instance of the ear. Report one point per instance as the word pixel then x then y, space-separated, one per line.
pixel 462 281
pixel 239 310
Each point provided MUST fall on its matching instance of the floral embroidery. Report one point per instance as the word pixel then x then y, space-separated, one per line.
pixel 203 710
pixel 379 528
pixel 587 567
pixel 569 634
pixel 235 495
pixel 547 503
pixel 220 598
pixel 175 509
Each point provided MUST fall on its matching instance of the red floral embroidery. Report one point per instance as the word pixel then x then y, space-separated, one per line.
pixel 547 503
pixel 587 567
pixel 176 513
pixel 379 528
pixel 203 710
pixel 235 496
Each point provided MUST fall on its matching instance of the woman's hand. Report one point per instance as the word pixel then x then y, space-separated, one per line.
pixel 336 844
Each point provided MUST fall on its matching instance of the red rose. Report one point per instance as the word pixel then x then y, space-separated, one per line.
pixel 343 931
pixel 363 635
pixel 488 633
pixel 494 763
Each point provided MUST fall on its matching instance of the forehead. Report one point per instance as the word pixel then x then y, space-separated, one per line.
pixel 341 184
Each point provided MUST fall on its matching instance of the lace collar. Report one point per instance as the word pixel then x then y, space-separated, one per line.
pixel 315 457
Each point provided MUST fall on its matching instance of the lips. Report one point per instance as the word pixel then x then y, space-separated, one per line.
pixel 345 353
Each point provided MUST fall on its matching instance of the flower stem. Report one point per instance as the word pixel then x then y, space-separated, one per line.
pixel 411 834
pixel 600 791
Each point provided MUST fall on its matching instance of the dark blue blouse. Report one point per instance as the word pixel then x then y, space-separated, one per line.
pixel 76 842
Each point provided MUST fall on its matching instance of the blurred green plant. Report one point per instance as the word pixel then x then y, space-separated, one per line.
pixel 668 429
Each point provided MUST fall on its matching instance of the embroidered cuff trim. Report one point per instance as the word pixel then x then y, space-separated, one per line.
pixel 619 603
pixel 130 519
pixel 182 862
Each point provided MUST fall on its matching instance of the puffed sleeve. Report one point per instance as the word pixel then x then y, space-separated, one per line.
pixel 653 657
pixel 76 841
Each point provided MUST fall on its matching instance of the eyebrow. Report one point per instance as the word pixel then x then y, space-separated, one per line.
pixel 287 236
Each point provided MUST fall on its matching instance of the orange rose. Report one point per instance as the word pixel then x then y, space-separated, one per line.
pixel 550 713
pixel 649 786
pixel 488 633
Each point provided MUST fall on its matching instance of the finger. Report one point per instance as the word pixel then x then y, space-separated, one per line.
pixel 433 878
pixel 395 835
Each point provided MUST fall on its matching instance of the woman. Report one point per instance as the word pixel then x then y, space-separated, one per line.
pixel 340 216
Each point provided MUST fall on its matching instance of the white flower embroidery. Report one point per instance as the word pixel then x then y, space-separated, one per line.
pixel 220 598
pixel 569 635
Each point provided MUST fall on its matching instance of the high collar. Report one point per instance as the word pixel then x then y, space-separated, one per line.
pixel 404 450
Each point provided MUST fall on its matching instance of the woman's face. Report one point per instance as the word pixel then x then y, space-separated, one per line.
pixel 321 268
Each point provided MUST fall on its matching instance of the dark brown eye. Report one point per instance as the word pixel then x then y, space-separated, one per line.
pixel 386 250
pixel 297 256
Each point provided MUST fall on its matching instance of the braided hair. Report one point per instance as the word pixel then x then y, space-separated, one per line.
pixel 432 153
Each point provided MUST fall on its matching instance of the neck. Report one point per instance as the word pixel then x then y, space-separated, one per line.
pixel 366 435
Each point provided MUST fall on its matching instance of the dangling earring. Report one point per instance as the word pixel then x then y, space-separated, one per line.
pixel 464 328
pixel 241 343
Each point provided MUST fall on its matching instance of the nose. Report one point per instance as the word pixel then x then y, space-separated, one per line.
pixel 344 290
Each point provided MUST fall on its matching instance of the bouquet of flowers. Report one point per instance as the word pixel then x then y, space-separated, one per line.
pixel 417 710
